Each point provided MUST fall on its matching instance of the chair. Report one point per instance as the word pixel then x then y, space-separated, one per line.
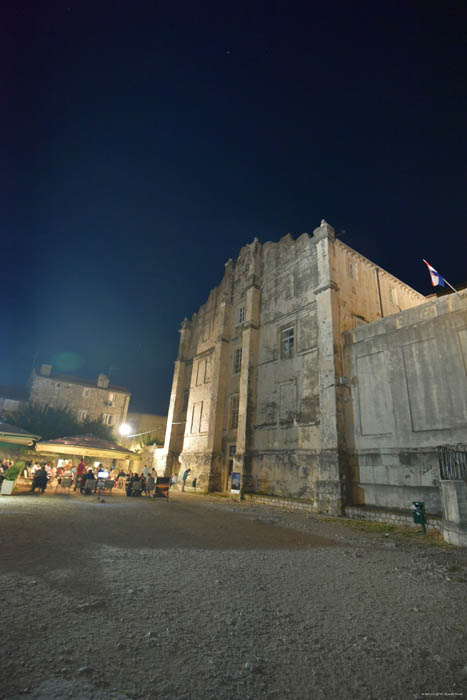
pixel 104 485
pixel 66 483
pixel 136 488
pixel 90 486
pixel 109 484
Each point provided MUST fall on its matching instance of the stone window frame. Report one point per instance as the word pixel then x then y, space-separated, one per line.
pixel 237 360
pixel 393 296
pixel 289 283
pixel 108 419
pixel 287 352
pixel 241 315
pixel 196 429
pixel 234 403
pixel 352 270
pixel 199 372
pixel 82 414
pixel 85 392
pixel 207 369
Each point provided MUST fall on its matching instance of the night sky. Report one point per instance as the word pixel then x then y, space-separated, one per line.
pixel 145 142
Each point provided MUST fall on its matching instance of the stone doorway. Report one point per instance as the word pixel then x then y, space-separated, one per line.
pixel 231 450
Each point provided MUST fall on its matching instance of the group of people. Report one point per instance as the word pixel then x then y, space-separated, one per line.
pixel 5 465
pixel 84 477
pixel 136 484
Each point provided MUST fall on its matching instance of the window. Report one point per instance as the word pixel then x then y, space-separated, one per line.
pixel 287 342
pixel 57 385
pixel 233 421
pixel 107 419
pixel 85 392
pixel 186 394
pixel 82 415
pixel 393 295
pixel 232 451
pixel 206 329
pixel 196 417
pixel 199 372
pixel 241 314
pixel 352 271
pixel 237 361
pixel 289 286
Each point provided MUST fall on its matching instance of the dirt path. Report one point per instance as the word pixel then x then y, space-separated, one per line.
pixel 202 598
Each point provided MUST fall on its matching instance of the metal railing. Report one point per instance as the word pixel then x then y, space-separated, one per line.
pixel 453 462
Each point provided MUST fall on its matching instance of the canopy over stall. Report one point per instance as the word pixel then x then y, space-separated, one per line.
pixel 84 446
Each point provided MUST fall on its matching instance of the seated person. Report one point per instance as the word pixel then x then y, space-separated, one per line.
pixel 87 485
pixel 102 473
pixel 135 484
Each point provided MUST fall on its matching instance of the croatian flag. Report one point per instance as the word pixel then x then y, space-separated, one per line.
pixel 436 279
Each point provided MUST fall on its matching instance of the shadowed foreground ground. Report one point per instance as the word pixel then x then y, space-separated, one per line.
pixel 202 598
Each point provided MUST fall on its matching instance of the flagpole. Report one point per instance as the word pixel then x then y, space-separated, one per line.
pixel 454 290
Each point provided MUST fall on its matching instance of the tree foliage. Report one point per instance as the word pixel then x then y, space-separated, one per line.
pixel 51 423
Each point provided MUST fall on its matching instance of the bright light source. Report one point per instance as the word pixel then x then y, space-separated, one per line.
pixel 125 429
pixel 96 464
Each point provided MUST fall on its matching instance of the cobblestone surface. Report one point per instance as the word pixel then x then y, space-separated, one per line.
pixel 202 598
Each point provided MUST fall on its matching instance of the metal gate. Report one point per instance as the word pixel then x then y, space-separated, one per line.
pixel 453 462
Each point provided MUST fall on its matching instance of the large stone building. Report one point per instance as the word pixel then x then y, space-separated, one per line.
pixel 259 385
pixel 98 400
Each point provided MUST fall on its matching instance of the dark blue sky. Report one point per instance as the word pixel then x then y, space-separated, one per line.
pixel 146 142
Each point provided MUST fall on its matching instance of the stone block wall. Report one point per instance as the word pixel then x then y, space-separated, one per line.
pixel 408 394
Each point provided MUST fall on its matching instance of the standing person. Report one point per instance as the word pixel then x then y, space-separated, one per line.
pixel 40 479
pixel 150 483
pixel 80 471
pixel 145 471
pixel 173 480
pixel 185 476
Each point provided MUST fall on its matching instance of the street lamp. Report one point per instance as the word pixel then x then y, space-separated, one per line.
pixel 125 429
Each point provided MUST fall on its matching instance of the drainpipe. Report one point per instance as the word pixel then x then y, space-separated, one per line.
pixel 379 293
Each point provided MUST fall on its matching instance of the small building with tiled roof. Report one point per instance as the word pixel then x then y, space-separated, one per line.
pixel 98 400
pixel 11 398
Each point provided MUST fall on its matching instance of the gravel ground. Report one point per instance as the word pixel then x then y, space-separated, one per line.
pixel 202 598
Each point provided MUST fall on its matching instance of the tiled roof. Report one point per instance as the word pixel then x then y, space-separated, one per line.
pixel 70 379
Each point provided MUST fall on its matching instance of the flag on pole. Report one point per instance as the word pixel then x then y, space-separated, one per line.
pixel 436 279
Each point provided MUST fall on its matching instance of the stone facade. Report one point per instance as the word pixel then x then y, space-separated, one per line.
pixel 95 401
pixel 258 384
pixel 407 395
pixel 146 429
